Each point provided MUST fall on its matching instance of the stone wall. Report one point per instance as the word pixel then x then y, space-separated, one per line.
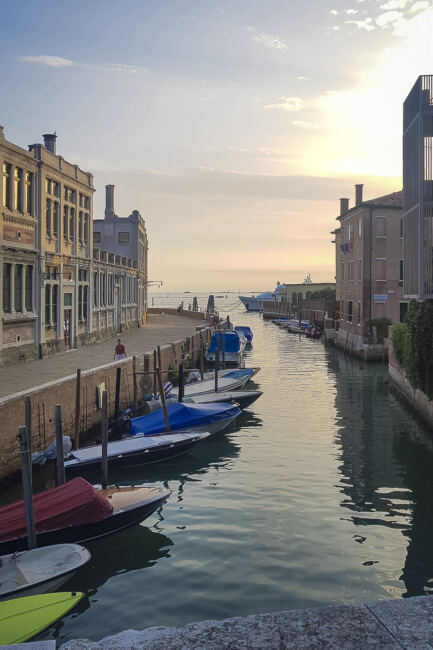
pixel 44 398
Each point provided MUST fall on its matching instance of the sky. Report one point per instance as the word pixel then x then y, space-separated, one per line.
pixel 233 126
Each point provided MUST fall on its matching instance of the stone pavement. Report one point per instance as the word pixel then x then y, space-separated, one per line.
pixel 159 330
pixel 387 624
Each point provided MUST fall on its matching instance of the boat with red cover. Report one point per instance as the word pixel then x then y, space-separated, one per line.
pixel 77 512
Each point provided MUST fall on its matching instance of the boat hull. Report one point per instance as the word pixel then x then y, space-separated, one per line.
pixel 120 519
pixel 242 397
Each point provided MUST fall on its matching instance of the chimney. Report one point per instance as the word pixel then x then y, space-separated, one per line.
pixel 50 141
pixel 358 194
pixel 344 206
pixel 109 200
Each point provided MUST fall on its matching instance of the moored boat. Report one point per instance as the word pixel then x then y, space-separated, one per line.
pixel 255 303
pixel 39 570
pixel 234 346
pixel 202 417
pixel 77 512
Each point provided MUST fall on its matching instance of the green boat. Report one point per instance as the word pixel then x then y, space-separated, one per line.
pixel 23 618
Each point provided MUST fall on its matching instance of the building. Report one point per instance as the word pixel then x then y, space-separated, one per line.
pixel 57 291
pixel 418 189
pixel 369 267
pixel 126 237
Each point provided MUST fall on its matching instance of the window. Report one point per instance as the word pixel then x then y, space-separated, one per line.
pixel 401 232
pixel 401 273
pixel 18 180
pixel 48 182
pixel 359 269
pixel 349 310
pixel 380 270
pixel 102 291
pixel 29 288
pixel 95 289
pixel 82 275
pixel 97 237
pixel 123 237
pixel 403 311
pixel 55 301
pixel 56 218
pixel 65 222
pixel 18 287
pixel 67 300
pixel 80 302
pixel 29 193
pixel 351 230
pixel 69 194
pixel 48 217
pixel 7 269
pixel 47 304
pixel 380 226
pixel 72 224
pixel 359 312
pixel 86 228
pixel 7 171
pixel 85 290
pixel 360 228
pixel 80 227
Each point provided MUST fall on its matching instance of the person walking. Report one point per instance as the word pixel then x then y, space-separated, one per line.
pixel 119 351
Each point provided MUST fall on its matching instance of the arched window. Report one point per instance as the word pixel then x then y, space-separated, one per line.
pixel 294 298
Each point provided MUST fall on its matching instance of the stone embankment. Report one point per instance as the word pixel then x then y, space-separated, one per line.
pixel 385 625
pixel 53 380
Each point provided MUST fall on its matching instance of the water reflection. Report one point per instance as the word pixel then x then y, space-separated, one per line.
pixel 386 465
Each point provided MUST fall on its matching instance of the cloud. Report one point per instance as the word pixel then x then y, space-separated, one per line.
pixel 420 5
pixel 269 40
pixel 351 12
pixel 388 18
pixel 366 24
pixel 301 78
pixel 61 62
pixel 334 12
pixel 305 125
pixel 291 104
pixel 394 4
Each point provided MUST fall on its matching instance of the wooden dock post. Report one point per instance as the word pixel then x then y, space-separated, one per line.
pixel 217 363
pixel 117 395
pixel 77 409
pixel 223 346
pixel 155 363
pixel 134 381
pixel 202 352
pixel 29 421
pixel 104 442
pixel 162 397
pixel 26 471
pixel 181 383
pixel 60 460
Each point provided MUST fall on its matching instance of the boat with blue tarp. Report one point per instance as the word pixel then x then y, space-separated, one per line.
pixel 197 417
pixel 234 346
pixel 244 330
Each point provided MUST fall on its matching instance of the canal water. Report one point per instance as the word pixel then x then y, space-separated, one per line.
pixel 322 492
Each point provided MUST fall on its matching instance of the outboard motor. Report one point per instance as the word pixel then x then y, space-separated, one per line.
pixel 123 423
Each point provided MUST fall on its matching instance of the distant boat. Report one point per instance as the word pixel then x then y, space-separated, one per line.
pixel 255 303
pixel 244 330
pixel 40 569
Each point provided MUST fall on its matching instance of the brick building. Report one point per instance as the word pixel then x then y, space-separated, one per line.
pixel 57 291
pixel 369 267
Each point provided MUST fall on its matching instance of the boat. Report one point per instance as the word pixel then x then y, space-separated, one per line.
pixel 297 327
pixel 231 372
pixel 227 382
pixel 209 418
pixel 132 452
pixel 40 569
pixel 245 331
pixel 255 303
pixel 234 346
pixel 77 512
pixel 243 398
pixel 23 618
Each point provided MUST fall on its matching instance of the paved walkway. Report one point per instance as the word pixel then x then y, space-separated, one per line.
pixel 385 625
pixel 159 330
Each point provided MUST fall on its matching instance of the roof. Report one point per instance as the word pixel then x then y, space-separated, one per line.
pixel 390 201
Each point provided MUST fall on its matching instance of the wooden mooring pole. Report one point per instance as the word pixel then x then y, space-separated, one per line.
pixel 181 383
pixel 217 364
pixel 26 470
pixel 134 381
pixel 104 442
pixel 29 421
pixel 162 397
pixel 77 409
pixel 60 460
pixel 117 395
pixel 223 346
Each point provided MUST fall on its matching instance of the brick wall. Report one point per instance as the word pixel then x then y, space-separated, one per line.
pixel 44 398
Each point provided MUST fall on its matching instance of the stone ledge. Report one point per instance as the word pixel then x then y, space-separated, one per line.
pixel 388 625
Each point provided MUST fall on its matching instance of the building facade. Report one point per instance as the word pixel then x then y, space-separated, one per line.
pixel 126 237
pixel 369 267
pixel 418 189
pixel 57 291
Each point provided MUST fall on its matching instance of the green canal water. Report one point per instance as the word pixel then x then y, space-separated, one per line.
pixel 321 493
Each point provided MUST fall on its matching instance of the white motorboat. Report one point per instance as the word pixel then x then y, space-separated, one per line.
pixel 39 570
pixel 255 303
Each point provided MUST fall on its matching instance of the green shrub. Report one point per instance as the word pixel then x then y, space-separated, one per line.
pixel 415 348
pixel 381 325
pixel 400 342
